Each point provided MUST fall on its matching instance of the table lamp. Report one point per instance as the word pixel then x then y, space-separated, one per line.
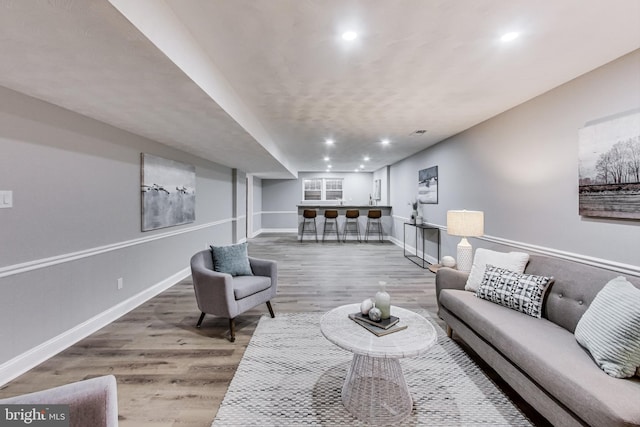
pixel 466 224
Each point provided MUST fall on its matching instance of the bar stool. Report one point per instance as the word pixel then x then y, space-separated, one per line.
pixel 374 223
pixel 309 215
pixel 351 218
pixel 330 214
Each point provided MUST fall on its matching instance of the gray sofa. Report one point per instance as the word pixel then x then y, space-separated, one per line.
pixel 540 358
pixel 92 402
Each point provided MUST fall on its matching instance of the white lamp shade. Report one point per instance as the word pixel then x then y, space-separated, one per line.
pixel 465 223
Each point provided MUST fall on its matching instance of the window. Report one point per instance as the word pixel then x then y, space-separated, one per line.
pixel 333 189
pixel 322 189
pixel 313 189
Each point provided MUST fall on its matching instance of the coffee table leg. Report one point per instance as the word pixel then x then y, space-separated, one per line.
pixel 375 390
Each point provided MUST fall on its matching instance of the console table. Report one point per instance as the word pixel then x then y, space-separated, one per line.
pixel 419 229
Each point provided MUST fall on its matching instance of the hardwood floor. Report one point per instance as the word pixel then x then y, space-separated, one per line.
pixel 171 374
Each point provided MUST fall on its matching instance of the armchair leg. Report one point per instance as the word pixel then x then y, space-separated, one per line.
pixel 232 328
pixel 270 309
pixel 200 320
pixel 449 331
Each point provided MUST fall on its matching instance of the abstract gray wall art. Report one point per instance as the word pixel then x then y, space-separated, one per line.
pixel 609 167
pixel 168 192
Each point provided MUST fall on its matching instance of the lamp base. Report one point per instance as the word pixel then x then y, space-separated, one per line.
pixel 465 255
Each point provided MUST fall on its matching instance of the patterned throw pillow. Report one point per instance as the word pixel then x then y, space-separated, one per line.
pixel 610 328
pixel 521 292
pixel 232 259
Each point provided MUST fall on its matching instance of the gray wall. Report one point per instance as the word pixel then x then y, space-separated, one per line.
pixel 383 175
pixel 281 196
pixel 75 225
pixel 357 186
pixel 257 205
pixel 521 169
pixel 279 200
pixel 239 204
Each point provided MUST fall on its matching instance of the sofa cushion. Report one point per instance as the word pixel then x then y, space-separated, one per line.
pixel 231 259
pixel 550 356
pixel 520 292
pixel 244 286
pixel 610 328
pixel 514 261
pixel 574 288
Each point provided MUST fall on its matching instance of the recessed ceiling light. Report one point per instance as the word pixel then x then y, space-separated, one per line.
pixel 326 158
pixel 356 170
pixel 329 166
pixel 361 166
pixel 328 170
pixel 366 158
pixel 329 141
pixel 349 35
pixel 385 142
pixel 510 36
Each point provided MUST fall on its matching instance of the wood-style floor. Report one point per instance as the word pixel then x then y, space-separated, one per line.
pixel 171 374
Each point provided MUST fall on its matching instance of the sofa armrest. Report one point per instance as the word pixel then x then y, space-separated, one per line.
pixel 92 402
pixel 448 278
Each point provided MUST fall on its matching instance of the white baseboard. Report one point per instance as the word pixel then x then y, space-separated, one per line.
pixel 274 230
pixel 33 357
pixel 410 249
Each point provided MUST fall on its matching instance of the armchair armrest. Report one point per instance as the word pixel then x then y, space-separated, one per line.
pixel 265 267
pixel 92 402
pixel 214 291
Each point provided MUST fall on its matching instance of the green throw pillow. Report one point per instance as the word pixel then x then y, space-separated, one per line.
pixel 610 328
pixel 232 259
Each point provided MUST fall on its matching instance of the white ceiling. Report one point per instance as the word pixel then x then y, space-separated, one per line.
pixel 259 85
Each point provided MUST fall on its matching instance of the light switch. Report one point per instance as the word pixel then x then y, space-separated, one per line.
pixel 6 199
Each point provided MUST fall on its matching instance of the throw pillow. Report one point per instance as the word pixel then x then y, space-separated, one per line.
pixel 521 292
pixel 610 328
pixel 232 259
pixel 514 261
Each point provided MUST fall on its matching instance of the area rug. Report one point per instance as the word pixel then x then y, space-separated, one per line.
pixel 290 375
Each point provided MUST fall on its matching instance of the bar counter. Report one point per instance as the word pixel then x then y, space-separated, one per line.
pixel 362 220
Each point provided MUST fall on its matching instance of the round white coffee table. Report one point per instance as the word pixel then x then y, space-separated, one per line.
pixel 374 390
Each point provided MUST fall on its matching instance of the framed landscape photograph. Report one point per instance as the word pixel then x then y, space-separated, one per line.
pixel 428 185
pixel 168 192
pixel 609 167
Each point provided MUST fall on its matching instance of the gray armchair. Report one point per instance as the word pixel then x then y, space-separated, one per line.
pixel 224 295
pixel 92 402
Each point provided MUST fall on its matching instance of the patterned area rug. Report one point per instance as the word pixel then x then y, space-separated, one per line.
pixel 291 375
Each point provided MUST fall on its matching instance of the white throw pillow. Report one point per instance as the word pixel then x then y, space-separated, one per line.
pixel 610 328
pixel 514 261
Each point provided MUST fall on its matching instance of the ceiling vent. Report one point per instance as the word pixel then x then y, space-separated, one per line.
pixel 419 132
